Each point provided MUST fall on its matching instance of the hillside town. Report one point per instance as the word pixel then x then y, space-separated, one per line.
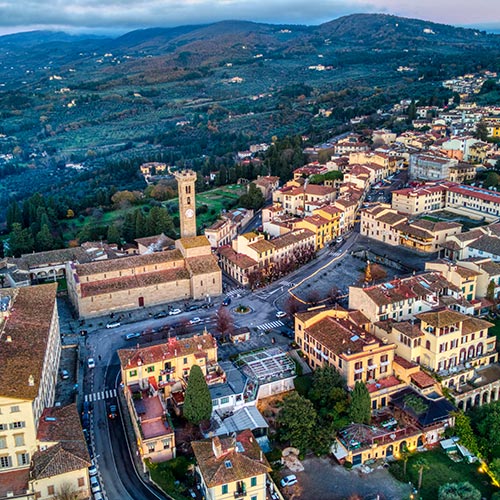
pixel 353 316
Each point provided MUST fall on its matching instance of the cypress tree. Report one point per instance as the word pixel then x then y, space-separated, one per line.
pixel 360 408
pixel 198 402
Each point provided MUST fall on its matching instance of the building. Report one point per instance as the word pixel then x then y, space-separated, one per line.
pixel 330 337
pixel 223 231
pixel 251 253
pixel 30 348
pixel 419 200
pixel 429 167
pixel 232 467
pixel 186 180
pixel 115 285
pixel 267 184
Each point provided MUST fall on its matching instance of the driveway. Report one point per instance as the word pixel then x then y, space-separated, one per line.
pixel 323 479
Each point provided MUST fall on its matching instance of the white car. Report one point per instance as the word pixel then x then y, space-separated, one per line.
pixel 113 324
pixel 94 483
pixel 174 312
pixel 92 470
pixel 98 496
pixel 280 314
pixel 194 320
pixel 91 363
pixel 288 480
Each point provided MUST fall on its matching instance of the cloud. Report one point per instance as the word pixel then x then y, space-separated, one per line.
pixel 129 14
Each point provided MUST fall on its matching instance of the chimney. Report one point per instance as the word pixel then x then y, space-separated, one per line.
pixel 31 381
pixel 216 447
pixel 8 338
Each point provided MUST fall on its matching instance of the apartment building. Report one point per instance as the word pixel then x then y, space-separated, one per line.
pixel 400 299
pixel 429 167
pixel 381 223
pixel 231 467
pixel 488 272
pixel 223 231
pixel 267 184
pixel 331 337
pixel 302 200
pixel 419 200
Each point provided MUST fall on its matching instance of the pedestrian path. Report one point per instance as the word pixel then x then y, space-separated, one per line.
pixel 272 324
pixel 235 291
pixel 98 396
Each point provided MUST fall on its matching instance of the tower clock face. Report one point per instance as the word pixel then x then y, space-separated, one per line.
pixel 189 213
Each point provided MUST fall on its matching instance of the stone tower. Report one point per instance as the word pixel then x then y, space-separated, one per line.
pixel 187 202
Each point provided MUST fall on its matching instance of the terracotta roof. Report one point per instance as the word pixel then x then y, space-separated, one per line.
pixel 202 265
pixel 28 327
pixel 31 260
pixel 261 246
pixel 317 190
pixel 240 260
pixel 340 336
pixel 436 226
pixel 315 220
pixel 174 348
pixel 422 380
pixel 194 241
pixel 236 461
pixel 60 459
pixel 411 330
pixel 291 238
pixel 488 244
pixel 159 239
pixel 404 363
pixel 442 318
pixel 134 281
pixel 109 265
pixel 62 424
pixel 15 481
pixel 471 325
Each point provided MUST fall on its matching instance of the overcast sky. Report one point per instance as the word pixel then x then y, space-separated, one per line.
pixel 124 15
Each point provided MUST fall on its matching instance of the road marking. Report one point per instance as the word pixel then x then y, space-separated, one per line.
pixel 272 324
pixel 97 396
pixel 234 292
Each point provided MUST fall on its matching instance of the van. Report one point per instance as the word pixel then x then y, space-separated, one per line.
pixel 288 480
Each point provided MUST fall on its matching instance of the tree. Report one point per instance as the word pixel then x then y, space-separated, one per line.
pixel 224 321
pixel 13 215
pixel 495 468
pixel 66 492
pixel 292 306
pixel 44 240
pixel 490 291
pixel 113 235
pixel 458 491
pixel 198 402
pixel 481 131
pixel 492 179
pixel 463 430
pixel 297 421
pixel 360 407
pixel 253 198
pixel 420 464
pixel 20 241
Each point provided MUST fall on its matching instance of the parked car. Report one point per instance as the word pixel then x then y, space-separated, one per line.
pixel 113 412
pixel 113 324
pixel 174 312
pixel 194 307
pixel 289 480
pixel 280 314
pixel 226 301
pixel 131 336
pixel 160 315
pixel 64 374
pixel 339 239
pixel 91 363
pixel 98 496
pixel 92 470
pixel 195 320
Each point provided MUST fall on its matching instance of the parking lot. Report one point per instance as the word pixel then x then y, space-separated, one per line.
pixel 324 479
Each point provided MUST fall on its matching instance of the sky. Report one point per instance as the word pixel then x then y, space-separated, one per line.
pixel 118 16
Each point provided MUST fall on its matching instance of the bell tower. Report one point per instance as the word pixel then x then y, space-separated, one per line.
pixel 187 202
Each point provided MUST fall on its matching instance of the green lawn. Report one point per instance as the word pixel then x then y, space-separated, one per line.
pixel 441 469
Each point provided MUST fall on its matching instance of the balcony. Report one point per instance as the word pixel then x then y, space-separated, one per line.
pixel 240 494
pixel 359 370
pixel 167 371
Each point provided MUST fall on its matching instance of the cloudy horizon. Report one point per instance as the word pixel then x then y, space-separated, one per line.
pixel 119 16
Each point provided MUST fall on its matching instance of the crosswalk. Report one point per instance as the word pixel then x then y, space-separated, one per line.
pixel 270 325
pixel 98 396
pixel 235 291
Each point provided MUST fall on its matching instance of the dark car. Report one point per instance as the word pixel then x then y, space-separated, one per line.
pixel 161 314
pixel 113 412
pixel 226 301
pixel 194 307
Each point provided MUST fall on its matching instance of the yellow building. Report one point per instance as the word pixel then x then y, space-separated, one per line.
pixel 232 467
pixel 30 348
pixel 330 337
pixel 320 226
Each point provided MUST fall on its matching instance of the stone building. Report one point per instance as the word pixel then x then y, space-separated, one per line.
pixel 187 203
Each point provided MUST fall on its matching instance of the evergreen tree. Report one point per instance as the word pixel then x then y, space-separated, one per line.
pixel 14 215
pixel 481 131
pixel 20 241
pixel 140 224
pixel 412 111
pixel 360 408
pixel 44 240
pixel 463 430
pixel 198 402
pixel 128 229
pixel 113 235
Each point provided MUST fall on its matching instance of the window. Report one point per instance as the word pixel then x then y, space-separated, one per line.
pixel 19 439
pixel 14 409
pixel 254 497
pixel 3 427
pixel 5 462
pixel 3 442
pixel 253 481
pixel 132 373
pixel 225 489
pixel 23 459
pixel 151 447
pixel 185 361
pixel 224 401
pixel 166 444
pixel 81 482
pixel 51 490
pixel 17 425
pixel 150 369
